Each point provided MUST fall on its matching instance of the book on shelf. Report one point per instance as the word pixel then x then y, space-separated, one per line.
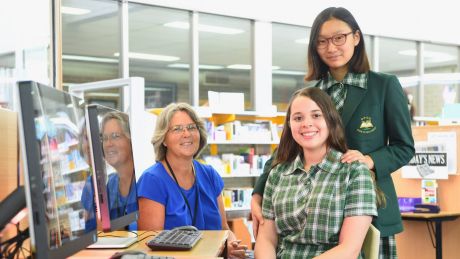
pixel 237 198
pixel 242 131
pixel 229 164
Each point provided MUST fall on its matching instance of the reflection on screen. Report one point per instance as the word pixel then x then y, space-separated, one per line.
pixel 117 150
pixel 60 134
pixel 112 157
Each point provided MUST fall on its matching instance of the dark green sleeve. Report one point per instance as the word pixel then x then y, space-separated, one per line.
pixel 400 148
pixel 260 184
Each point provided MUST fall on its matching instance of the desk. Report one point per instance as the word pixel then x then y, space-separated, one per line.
pixel 437 219
pixel 211 246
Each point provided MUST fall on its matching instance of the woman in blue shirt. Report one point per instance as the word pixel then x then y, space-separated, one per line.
pixel 121 184
pixel 178 190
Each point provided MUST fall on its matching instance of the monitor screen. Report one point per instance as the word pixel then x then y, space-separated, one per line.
pixel 113 163
pixel 54 148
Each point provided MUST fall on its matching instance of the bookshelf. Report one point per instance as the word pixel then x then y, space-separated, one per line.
pixel 239 144
pixel 229 135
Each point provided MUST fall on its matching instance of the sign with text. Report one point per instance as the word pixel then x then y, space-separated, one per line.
pixel 429 162
pixel 449 140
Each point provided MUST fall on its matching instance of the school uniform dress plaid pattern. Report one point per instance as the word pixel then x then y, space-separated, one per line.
pixel 338 90
pixel 309 207
pixel 387 248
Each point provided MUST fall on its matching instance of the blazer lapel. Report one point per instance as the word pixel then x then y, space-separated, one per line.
pixel 354 97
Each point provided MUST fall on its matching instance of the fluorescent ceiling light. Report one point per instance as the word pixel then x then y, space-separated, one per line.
pixel 247 67
pixel 427 79
pixel 432 56
pixel 90 59
pixel 73 10
pixel 181 65
pixel 144 56
pixel 239 66
pixel 302 41
pixel 205 28
pixel 288 72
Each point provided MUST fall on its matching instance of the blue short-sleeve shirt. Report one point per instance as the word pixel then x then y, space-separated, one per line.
pixel 121 205
pixel 157 185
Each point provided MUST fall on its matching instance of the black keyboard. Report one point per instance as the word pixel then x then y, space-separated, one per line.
pixel 174 240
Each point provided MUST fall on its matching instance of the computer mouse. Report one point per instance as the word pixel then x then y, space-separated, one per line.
pixel 119 255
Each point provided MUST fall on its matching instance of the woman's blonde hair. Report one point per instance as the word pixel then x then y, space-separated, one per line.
pixel 163 125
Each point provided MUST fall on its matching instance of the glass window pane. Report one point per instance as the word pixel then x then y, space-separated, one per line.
pixel 399 57
pixel 369 47
pixel 440 59
pixel 289 60
pixel 159 40
pixel 90 40
pixel 24 45
pixel 225 56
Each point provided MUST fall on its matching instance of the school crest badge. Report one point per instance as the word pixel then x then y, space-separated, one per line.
pixel 366 125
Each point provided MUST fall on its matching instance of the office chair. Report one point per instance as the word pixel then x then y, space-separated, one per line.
pixel 371 243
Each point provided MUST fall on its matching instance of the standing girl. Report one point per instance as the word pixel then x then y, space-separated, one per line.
pixel 373 108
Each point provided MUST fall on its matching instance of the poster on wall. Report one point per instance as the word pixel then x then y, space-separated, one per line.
pixel 429 162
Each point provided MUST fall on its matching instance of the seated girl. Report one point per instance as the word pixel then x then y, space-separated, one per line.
pixel 314 205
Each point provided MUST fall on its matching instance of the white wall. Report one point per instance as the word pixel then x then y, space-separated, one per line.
pixel 408 19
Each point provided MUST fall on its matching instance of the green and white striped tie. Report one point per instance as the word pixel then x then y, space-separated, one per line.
pixel 338 94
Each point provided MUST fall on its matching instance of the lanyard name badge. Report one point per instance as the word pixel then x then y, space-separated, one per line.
pixel 193 216
pixel 124 204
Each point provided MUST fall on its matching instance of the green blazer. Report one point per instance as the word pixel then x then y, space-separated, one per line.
pixel 377 123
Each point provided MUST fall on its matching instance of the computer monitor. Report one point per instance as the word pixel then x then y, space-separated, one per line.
pixel 113 163
pixel 52 132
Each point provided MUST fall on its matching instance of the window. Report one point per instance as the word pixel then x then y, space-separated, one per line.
pixel 224 56
pixel 399 57
pixel 24 45
pixel 90 40
pixel 441 84
pixel 289 60
pixel 160 53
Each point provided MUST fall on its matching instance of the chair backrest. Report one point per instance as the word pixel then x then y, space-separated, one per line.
pixel 371 243
pixel 240 229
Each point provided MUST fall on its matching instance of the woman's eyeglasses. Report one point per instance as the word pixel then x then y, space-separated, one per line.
pixel 179 129
pixel 114 136
pixel 337 40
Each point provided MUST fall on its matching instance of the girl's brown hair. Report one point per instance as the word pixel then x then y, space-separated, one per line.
pixel 288 149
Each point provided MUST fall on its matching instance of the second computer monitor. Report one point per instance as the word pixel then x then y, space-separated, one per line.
pixel 113 164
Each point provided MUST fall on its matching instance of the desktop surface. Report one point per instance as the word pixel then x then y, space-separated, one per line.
pixel 441 214
pixel 210 246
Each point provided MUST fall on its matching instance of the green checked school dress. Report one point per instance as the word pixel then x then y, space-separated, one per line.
pixel 309 207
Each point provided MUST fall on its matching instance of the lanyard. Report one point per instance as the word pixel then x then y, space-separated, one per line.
pixel 123 207
pixel 193 216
